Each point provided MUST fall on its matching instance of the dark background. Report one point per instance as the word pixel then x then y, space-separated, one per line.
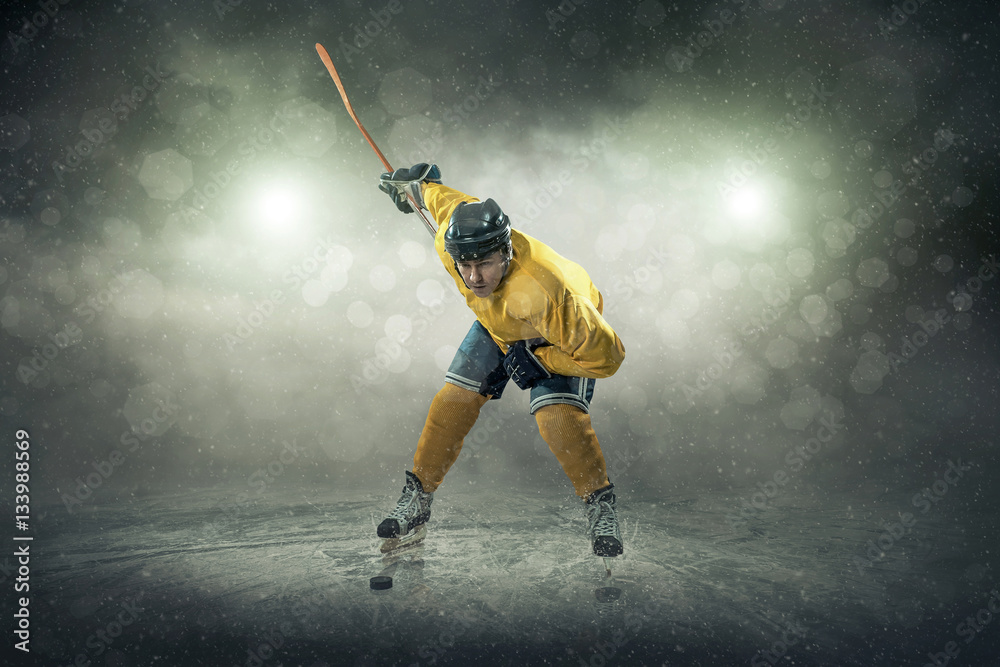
pixel 592 128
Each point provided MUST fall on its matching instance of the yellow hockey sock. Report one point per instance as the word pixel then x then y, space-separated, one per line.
pixel 570 436
pixel 452 414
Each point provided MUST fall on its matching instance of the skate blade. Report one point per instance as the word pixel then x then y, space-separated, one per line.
pixel 396 543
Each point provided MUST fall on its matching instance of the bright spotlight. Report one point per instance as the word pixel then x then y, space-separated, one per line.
pixel 747 203
pixel 278 206
pixel 278 203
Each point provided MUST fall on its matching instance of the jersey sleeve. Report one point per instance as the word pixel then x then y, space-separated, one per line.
pixel 583 343
pixel 441 201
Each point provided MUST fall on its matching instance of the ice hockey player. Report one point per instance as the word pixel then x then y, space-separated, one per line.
pixel 538 323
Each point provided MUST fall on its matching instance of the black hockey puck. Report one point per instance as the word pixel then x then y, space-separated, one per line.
pixel 380 583
pixel 608 594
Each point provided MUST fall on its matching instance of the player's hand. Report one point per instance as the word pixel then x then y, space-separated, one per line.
pixel 523 366
pixel 407 181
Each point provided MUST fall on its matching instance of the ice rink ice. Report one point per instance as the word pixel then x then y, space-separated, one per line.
pixel 504 577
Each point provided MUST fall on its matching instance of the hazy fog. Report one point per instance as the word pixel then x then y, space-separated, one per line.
pixel 792 224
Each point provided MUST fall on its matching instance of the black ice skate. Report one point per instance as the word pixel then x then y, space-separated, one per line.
pixel 605 536
pixel 405 524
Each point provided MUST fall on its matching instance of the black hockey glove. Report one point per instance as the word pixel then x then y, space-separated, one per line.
pixel 407 181
pixel 523 366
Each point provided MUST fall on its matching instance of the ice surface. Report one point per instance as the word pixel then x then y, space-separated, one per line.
pixel 505 576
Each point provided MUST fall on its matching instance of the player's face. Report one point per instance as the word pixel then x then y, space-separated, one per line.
pixel 483 275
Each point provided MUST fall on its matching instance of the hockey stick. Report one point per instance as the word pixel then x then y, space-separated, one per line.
pixel 325 57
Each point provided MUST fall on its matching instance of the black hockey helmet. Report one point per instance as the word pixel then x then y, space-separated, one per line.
pixel 475 230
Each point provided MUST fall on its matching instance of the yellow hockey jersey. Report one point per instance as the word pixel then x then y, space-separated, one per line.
pixel 542 295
